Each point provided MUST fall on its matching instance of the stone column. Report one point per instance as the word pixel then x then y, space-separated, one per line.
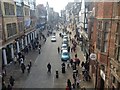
pixel 35 34
pixel 18 48
pixel 29 38
pixel 4 56
pixel 22 44
pixel 12 51
pixel 26 42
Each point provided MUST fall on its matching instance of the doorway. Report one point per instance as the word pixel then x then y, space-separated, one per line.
pixel 101 84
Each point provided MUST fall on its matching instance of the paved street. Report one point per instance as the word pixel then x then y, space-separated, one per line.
pixel 39 78
pixel 39 74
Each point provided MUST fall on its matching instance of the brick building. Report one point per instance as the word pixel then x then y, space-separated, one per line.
pixel 105 42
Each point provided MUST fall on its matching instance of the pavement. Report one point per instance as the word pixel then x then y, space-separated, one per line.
pixel 15 70
pixel 81 56
pixel 38 78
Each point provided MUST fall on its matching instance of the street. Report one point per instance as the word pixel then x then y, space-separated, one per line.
pixel 39 78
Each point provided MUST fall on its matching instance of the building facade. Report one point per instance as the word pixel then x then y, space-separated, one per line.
pixel 114 48
pixel 104 32
pixel 41 13
pixel 18 27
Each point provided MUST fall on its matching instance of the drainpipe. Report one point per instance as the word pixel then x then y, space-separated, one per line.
pixel 109 46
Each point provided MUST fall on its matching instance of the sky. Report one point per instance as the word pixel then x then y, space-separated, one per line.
pixel 56 4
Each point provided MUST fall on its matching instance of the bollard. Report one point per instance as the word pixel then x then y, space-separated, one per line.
pixel 57 76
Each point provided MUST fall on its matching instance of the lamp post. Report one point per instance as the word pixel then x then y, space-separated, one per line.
pixel 93 56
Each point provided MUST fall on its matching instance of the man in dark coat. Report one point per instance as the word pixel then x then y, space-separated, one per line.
pixel 63 67
pixel 69 84
pixel 23 67
pixel 58 50
pixel 49 67
pixel 11 80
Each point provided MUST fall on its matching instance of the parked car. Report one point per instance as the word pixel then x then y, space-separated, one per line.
pixel 64 47
pixel 63 34
pixel 53 39
pixel 65 37
pixel 65 41
pixel 65 55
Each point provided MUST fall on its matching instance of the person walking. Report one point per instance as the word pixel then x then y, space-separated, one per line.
pixel 30 63
pixel 15 60
pixel 49 67
pixel 40 46
pixel 68 48
pixel 69 84
pixel 28 68
pixel 67 88
pixel 23 67
pixel 39 50
pixel 4 86
pixel 58 49
pixel 21 60
pixel 82 64
pixel 63 67
pixel 9 87
pixel 71 62
pixel 74 78
pixel 77 82
pixel 45 39
pixel 11 81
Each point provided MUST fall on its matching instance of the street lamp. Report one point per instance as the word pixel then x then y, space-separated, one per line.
pixel 93 56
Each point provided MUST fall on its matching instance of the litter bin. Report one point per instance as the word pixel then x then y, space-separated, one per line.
pixel 57 75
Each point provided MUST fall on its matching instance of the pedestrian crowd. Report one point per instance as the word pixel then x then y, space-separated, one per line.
pixel 75 63
pixel 20 59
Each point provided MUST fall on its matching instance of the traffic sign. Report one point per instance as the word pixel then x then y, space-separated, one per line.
pixel 93 56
